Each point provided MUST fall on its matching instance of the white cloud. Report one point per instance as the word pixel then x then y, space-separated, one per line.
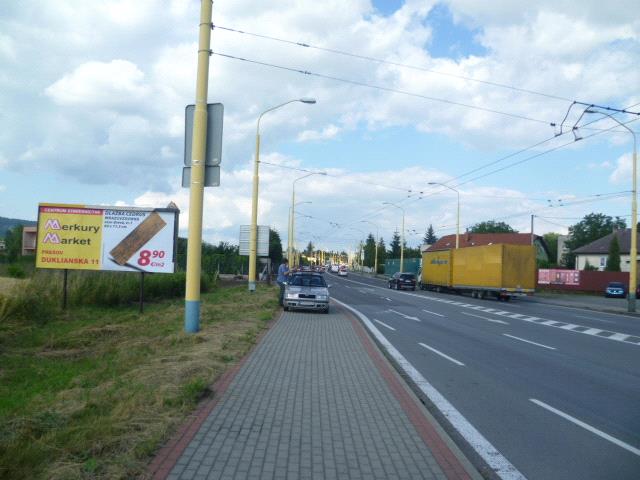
pixel 623 170
pixel 328 132
pixel 115 84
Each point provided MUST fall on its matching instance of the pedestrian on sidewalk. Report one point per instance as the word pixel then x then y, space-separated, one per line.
pixel 283 275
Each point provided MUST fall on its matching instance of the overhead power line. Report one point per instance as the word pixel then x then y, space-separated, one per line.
pixel 395 64
pixel 384 89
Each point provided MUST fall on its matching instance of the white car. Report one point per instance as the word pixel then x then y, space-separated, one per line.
pixel 342 272
pixel 335 268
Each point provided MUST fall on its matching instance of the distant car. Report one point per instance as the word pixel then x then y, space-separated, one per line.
pixel 342 271
pixel 335 268
pixel 401 281
pixel 306 291
pixel 615 289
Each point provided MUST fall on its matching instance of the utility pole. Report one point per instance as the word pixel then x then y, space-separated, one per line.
pixel 196 193
pixel 532 236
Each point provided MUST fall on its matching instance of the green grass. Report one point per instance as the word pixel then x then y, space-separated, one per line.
pixel 93 392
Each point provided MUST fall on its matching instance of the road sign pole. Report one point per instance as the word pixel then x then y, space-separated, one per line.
pixel 196 194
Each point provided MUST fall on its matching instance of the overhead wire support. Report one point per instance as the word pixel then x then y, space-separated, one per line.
pixel 396 64
pixel 382 88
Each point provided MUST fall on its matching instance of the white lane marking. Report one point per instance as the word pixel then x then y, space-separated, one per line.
pixel 444 355
pixel 387 299
pixel 433 313
pixel 415 319
pixel 384 324
pixel 529 341
pixel 588 427
pixel 484 318
pixel 594 318
pixel 610 335
pixel 500 465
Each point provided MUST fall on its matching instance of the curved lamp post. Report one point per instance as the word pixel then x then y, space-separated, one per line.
pixel 290 243
pixel 633 253
pixel 375 262
pixel 402 234
pixel 293 212
pixel 458 215
pixel 253 235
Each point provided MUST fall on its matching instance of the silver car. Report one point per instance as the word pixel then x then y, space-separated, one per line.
pixel 306 291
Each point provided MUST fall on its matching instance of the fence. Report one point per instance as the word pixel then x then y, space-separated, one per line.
pixel 579 280
pixel 411 265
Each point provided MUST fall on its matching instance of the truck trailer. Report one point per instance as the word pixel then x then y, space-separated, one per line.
pixel 497 270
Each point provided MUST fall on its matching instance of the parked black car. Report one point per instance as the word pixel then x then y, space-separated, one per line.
pixel 403 280
pixel 615 289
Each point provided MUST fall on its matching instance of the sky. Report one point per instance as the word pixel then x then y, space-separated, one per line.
pixel 458 92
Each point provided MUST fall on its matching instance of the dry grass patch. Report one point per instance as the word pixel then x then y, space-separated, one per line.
pixel 93 395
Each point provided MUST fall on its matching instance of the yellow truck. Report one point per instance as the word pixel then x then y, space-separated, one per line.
pixel 497 270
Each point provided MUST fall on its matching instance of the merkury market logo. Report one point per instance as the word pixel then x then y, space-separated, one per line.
pixel 53 237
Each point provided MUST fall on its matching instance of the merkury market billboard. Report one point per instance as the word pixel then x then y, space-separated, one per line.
pixel 123 239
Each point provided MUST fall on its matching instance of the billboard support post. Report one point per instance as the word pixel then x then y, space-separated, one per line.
pixel 64 289
pixel 141 292
pixel 196 194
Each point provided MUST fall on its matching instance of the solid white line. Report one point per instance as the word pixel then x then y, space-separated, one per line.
pixel 588 427
pixel 501 466
pixel 529 341
pixel 384 324
pixel 433 313
pixel 485 318
pixel 444 355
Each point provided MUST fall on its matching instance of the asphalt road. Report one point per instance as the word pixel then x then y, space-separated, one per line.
pixel 555 390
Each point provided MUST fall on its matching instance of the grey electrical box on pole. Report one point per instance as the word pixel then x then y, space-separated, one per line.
pixel 213 155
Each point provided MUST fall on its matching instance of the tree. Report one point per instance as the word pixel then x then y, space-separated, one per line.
pixel 592 227
pixel 613 260
pixel 369 251
pixel 551 239
pixel 492 226
pixel 394 251
pixel 382 255
pixel 13 243
pixel 429 236
pixel 275 247
pixel 309 250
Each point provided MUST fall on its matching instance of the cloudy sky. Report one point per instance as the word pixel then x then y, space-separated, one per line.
pixel 92 98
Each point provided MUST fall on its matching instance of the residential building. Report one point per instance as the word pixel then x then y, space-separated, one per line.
pixel 29 236
pixel 597 252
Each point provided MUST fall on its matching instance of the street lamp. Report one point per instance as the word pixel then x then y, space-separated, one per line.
pixel 375 262
pixel 253 236
pixel 633 253
pixel 360 245
pixel 290 243
pixel 402 235
pixel 293 211
pixel 458 215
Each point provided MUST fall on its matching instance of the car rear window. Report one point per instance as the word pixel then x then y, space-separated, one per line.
pixel 308 281
pixel 616 285
pixel 407 276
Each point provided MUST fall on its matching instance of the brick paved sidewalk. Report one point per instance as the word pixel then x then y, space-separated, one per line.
pixel 313 401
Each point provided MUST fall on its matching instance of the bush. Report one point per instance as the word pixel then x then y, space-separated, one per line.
pixel 16 271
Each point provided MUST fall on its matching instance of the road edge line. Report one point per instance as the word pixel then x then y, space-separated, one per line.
pixel 489 454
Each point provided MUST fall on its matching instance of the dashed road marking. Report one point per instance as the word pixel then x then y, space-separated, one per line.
pixel 493 320
pixel 409 317
pixel 528 341
pixel 587 427
pixel 433 313
pixel 594 332
pixel 443 355
pixel 384 324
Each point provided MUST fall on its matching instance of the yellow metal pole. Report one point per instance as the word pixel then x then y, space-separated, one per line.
pixel 253 235
pixel 293 224
pixel 196 193
pixel 633 254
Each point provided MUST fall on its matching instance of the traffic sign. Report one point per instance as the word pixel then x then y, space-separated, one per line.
pixel 213 153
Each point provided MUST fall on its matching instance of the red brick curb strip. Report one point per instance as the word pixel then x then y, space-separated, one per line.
pixel 168 455
pixel 448 461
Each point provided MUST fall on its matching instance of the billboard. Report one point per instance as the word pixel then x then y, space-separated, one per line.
pixel 262 242
pixel 122 239
pixel 558 277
